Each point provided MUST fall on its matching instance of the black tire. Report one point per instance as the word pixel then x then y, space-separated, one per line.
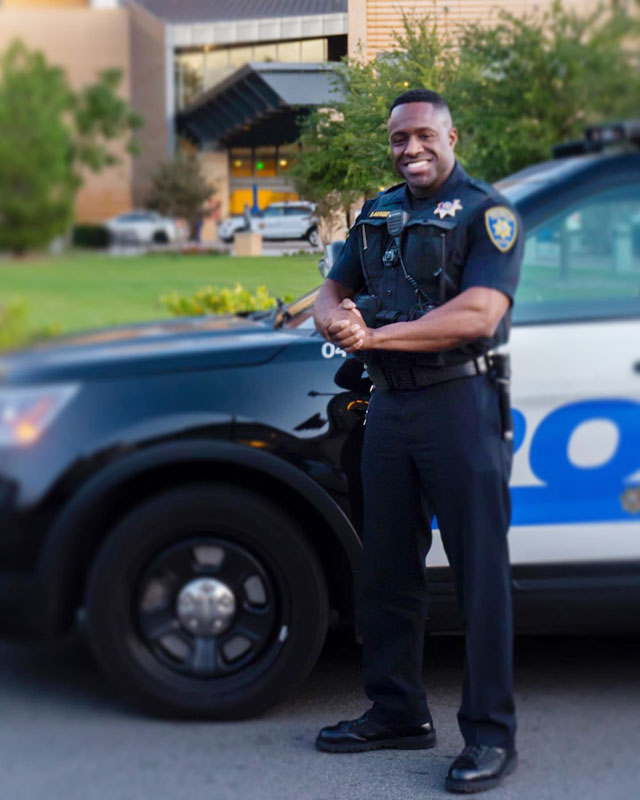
pixel 160 237
pixel 312 237
pixel 255 536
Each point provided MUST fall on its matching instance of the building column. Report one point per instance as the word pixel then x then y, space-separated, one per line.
pixel 357 30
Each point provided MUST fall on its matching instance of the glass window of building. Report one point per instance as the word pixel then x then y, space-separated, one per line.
pixel 216 59
pixel 190 76
pixel 313 50
pixel 216 66
pixel 289 51
pixel 241 162
pixel 265 52
pixel 238 56
pixel 286 155
pixel 265 162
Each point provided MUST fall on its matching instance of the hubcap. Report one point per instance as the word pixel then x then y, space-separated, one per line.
pixel 206 606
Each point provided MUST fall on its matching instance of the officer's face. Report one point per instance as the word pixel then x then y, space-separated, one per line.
pixel 422 141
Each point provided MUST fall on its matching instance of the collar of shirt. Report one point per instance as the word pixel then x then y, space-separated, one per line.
pixel 444 192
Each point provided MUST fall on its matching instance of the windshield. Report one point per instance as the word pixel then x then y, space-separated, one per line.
pixel 300 311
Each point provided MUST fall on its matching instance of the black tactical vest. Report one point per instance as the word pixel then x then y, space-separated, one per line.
pixel 433 250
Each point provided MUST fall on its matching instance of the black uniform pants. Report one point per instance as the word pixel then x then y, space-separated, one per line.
pixel 443 443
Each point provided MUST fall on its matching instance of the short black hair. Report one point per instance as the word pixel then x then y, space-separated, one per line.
pixel 419 96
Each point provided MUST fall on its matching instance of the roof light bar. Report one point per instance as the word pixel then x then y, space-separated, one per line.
pixel 599 137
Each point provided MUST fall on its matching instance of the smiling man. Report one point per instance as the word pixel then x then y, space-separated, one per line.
pixel 422 293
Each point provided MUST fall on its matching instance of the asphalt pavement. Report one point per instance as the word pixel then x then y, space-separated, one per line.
pixel 65 736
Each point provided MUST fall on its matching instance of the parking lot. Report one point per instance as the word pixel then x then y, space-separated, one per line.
pixel 64 736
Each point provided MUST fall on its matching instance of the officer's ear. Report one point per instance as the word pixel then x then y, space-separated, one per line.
pixel 453 137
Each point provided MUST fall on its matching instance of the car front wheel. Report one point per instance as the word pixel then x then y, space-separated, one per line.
pixel 312 237
pixel 160 237
pixel 206 602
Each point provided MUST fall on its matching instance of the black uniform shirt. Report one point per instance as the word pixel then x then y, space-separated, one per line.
pixel 483 248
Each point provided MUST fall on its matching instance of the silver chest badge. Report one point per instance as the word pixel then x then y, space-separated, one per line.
pixel 448 208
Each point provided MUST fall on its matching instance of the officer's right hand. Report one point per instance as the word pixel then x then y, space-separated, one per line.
pixel 341 313
pixel 346 333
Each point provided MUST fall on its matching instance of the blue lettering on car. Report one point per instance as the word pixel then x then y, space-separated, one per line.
pixel 573 493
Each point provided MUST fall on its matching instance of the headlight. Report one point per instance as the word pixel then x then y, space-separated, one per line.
pixel 25 414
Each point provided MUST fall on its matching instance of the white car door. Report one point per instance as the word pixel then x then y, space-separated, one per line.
pixel 293 222
pixel 149 224
pixel 576 385
pixel 575 350
pixel 271 222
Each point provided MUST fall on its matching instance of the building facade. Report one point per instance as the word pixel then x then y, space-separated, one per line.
pixel 232 80
pixel 373 24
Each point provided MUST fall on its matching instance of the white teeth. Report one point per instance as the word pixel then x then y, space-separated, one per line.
pixel 416 166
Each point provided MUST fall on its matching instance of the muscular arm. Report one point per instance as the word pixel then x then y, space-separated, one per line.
pixel 474 313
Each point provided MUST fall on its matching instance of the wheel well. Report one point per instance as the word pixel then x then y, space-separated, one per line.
pixel 122 498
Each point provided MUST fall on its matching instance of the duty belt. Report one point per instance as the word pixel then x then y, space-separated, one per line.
pixel 410 378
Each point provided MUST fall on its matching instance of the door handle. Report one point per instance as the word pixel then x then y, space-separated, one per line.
pixel 636 367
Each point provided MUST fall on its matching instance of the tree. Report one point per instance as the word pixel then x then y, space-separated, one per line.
pixel 179 189
pixel 541 79
pixel 48 133
pixel 515 89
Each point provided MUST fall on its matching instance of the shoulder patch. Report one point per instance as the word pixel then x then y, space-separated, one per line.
pixel 502 226
pixel 379 213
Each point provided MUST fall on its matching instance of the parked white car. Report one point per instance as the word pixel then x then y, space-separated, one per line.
pixel 228 228
pixel 296 220
pixel 146 227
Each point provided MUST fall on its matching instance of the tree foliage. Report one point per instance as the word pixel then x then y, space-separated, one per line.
pixel 515 88
pixel 531 82
pixel 48 134
pixel 179 189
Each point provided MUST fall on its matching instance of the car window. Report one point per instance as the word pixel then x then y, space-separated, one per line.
pixel 293 211
pixel 584 263
pixel 270 211
pixel 136 217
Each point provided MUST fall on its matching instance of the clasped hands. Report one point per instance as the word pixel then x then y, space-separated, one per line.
pixel 346 328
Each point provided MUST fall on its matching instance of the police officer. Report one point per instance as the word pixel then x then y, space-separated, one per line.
pixel 422 293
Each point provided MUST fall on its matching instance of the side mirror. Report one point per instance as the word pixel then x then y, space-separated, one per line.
pixel 331 255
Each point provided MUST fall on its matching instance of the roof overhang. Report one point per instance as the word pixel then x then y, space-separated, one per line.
pixel 265 29
pixel 258 96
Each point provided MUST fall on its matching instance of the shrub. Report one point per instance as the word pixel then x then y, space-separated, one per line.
pixel 208 300
pixel 14 328
pixel 95 236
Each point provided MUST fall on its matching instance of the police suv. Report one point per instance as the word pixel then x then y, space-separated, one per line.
pixel 192 486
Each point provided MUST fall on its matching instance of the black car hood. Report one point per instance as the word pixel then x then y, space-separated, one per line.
pixel 164 346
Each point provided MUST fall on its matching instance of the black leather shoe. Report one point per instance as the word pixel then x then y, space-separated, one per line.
pixel 480 767
pixel 358 735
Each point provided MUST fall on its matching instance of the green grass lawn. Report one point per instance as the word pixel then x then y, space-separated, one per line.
pixel 79 290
